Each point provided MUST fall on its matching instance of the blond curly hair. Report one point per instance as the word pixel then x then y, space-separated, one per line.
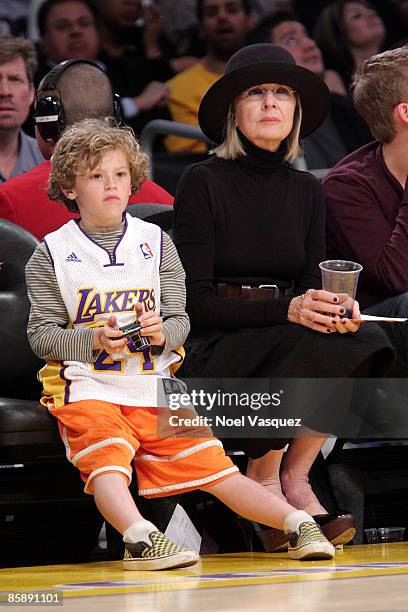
pixel 80 150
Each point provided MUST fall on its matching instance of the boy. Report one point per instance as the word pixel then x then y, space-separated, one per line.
pixel 86 280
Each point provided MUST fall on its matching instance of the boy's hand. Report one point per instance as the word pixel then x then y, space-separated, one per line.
pixel 105 338
pixel 151 326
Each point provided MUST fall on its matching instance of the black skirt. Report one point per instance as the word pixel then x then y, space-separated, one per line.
pixel 287 351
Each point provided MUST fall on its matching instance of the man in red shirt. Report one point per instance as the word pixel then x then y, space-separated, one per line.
pixel 82 90
pixel 367 198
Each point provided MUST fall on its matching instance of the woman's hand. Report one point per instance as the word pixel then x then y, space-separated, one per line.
pixel 323 311
pixel 105 338
pixel 343 326
pixel 151 326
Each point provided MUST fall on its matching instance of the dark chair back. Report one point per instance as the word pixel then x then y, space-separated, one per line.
pixel 18 364
pixel 160 214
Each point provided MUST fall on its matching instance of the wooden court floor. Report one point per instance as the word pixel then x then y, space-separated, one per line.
pixel 361 578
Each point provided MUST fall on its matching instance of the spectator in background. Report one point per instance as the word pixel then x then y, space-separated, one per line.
pixel 224 26
pixel 18 62
pixel 68 31
pixel 348 32
pixel 84 91
pixel 366 195
pixel 343 130
pixel 127 28
pixel 285 29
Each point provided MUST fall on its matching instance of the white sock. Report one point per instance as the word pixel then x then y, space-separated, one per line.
pixel 139 532
pixel 294 519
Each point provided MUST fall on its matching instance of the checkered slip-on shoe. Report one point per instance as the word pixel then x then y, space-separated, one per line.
pixel 160 554
pixel 309 543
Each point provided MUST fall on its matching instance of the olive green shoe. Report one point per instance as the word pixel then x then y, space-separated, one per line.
pixel 309 543
pixel 160 554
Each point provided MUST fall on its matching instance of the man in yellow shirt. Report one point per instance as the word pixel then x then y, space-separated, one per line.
pixel 224 26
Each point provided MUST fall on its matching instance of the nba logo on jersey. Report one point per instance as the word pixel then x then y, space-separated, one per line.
pixel 146 250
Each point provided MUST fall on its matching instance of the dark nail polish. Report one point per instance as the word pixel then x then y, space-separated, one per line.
pixel 343 322
pixel 334 322
pixel 329 331
pixel 342 310
pixel 335 299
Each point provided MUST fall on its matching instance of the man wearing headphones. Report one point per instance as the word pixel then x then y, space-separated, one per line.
pixel 68 31
pixel 71 91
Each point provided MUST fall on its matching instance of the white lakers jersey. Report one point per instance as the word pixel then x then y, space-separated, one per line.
pixel 94 285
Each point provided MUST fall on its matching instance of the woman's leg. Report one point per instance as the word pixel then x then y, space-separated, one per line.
pixel 303 451
pixel 290 482
pixel 265 470
pixel 296 465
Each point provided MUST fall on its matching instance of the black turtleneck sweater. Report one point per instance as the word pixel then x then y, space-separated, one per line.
pixel 251 220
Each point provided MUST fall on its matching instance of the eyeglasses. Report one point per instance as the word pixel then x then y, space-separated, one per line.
pixel 279 92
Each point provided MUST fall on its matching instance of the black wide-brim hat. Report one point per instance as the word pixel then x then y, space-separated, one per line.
pixel 254 65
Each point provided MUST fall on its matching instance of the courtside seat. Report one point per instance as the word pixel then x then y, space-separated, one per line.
pixel 18 363
pixel 25 427
pixel 160 214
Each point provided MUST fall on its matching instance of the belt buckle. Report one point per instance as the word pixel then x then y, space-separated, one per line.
pixel 274 287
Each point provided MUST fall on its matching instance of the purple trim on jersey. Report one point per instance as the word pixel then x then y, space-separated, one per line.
pixel 49 253
pixel 124 218
pixel 112 258
pixel 161 248
pixel 67 385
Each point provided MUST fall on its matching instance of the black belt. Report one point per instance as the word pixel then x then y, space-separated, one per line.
pixel 246 292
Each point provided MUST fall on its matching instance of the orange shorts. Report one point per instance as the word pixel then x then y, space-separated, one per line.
pixel 102 437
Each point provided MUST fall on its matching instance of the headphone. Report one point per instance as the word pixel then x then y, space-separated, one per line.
pixel 49 114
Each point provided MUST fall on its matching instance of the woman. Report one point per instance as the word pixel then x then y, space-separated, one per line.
pixel 349 33
pixel 245 218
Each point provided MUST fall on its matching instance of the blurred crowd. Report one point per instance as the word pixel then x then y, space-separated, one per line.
pixel 162 57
